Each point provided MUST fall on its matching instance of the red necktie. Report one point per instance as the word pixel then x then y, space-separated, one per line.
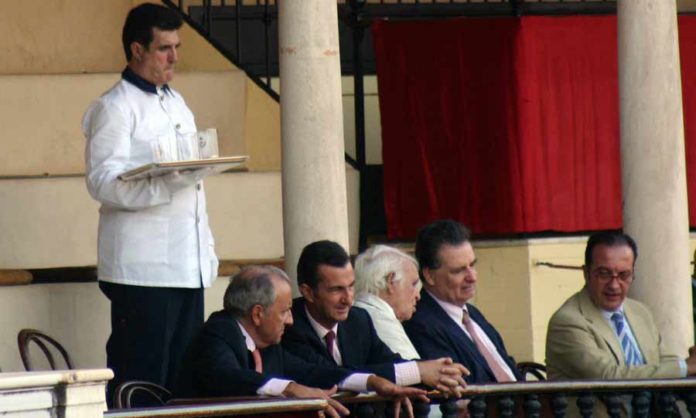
pixel 330 338
pixel 495 366
pixel 258 363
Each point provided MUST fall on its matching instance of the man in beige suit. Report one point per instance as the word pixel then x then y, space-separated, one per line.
pixel 599 333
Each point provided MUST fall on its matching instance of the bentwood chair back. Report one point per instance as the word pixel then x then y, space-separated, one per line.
pixel 51 349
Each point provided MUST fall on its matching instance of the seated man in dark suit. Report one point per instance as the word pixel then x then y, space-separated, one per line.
pixel 329 330
pixel 444 323
pixel 236 353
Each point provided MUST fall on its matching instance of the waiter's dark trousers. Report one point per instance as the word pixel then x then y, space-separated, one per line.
pixel 150 330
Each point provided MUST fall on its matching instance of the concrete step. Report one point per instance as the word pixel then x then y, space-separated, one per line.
pixel 52 222
pixel 40 116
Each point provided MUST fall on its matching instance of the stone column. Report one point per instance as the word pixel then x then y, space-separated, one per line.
pixel 653 163
pixel 314 178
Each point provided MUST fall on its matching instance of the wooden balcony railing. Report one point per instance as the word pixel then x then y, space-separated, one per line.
pixel 637 398
pixel 280 408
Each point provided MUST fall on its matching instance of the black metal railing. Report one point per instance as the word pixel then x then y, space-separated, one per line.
pixel 636 398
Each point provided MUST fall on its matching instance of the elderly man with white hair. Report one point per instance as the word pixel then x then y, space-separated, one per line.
pixel 387 286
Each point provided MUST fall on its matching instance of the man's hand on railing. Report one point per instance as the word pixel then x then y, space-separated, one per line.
pixel 399 395
pixel 444 375
pixel 334 408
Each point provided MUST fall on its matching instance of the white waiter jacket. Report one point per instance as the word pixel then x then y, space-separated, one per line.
pixel 150 234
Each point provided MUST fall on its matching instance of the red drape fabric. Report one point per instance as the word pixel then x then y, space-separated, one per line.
pixel 687 53
pixel 510 125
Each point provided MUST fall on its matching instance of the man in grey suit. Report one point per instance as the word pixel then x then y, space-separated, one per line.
pixel 600 333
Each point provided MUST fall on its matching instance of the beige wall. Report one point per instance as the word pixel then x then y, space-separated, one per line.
pixel 550 287
pixel 81 36
pixel 61 36
pixel 40 115
pixel 503 293
pixel 75 314
pixel 262 135
pixel 53 222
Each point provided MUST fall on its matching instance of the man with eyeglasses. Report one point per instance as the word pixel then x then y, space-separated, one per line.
pixel 600 333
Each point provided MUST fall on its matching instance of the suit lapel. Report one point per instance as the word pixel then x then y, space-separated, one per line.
pixel 455 332
pixel 642 333
pixel 234 337
pixel 344 340
pixel 594 316
pixel 305 328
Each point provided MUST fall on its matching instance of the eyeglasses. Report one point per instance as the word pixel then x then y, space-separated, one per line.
pixel 606 275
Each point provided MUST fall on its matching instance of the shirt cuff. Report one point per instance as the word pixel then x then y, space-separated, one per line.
pixel 407 373
pixel 274 387
pixel 356 382
pixel 682 367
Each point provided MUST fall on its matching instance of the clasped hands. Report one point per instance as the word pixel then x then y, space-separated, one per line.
pixel 444 375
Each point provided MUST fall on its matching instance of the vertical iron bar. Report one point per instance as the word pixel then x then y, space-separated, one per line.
pixel 667 402
pixel 238 22
pixel 641 404
pixel 532 406
pixel 515 8
pixel 559 404
pixel 506 406
pixel 585 404
pixel 359 101
pixel 478 407
pixel 448 408
pixel 421 409
pixel 209 17
pixel 614 404
pixel 690 399
pixel 267 41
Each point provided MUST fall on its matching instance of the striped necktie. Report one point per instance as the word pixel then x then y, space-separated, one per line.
pixel 632 356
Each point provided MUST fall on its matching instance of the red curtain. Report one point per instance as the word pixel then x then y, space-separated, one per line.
pixel 687 52
pixel 508 124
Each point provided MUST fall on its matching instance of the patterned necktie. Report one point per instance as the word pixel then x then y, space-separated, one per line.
pixel 631 353
pixel 258 363
pixel 330 338
pixel 494 365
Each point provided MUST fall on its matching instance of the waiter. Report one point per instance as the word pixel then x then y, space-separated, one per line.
pixel 155 251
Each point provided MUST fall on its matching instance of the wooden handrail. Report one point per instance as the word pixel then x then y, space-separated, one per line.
pixel 236 406
pixel 576 386
pixel 261 407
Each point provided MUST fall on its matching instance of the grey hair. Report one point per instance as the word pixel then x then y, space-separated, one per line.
pixel 373 266
pixel 252 286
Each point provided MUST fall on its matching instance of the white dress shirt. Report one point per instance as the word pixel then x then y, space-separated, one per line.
pixel 456 313
pixel 388 326
pixel 406 373
pixel 152 231
pixel 274 387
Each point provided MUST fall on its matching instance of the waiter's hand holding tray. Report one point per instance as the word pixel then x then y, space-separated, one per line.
pixel 217 164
